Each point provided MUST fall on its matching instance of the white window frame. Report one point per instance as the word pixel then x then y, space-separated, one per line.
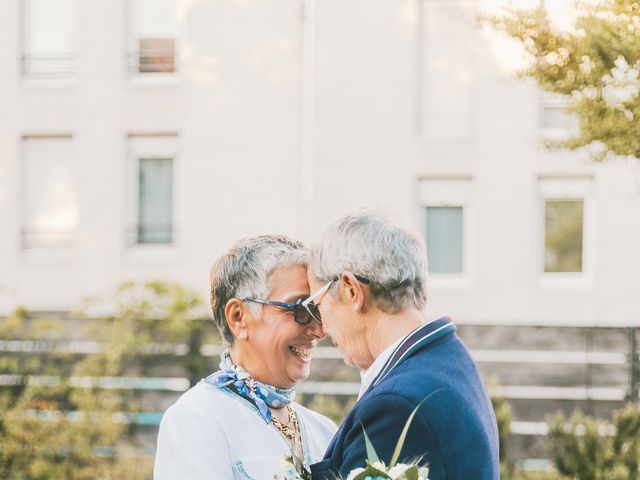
pixel 44 255
pixel 548 100
pixel 30 81
pixel 152 145
pixel 451 191
pixel 578 187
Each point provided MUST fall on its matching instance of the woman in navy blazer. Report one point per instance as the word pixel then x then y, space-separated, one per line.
pixel 368 275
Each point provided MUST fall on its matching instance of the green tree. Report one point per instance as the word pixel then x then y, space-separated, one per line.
pixel 595 65
pixel 69 418
pixel 48 428
pixel 585 448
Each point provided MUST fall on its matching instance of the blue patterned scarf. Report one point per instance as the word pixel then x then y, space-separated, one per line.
pixel 262 395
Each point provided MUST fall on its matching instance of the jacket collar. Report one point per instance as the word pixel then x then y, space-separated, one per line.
pixel 420 337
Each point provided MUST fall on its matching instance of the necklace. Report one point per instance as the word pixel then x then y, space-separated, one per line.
pixel 291 431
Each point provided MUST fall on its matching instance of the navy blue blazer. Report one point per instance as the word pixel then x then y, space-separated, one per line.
pixel 454 431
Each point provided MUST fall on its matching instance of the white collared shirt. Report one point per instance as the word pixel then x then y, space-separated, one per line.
pixel 367 376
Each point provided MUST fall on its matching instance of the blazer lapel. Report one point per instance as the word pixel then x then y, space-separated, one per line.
pixel 416 340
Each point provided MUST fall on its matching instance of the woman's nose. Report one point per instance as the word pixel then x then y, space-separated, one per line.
pixel 315 329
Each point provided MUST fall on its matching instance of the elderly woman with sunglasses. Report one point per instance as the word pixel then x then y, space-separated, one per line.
pixel 239 422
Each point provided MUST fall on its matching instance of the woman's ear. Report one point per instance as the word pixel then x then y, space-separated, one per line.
pixel 235 312
pixel 351 291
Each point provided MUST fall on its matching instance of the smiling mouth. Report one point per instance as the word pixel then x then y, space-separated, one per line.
pixel 300 352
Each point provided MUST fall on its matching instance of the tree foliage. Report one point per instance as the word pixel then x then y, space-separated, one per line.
pixel 62 421
pixel 581 447
pixel 596 66
pixel 585 448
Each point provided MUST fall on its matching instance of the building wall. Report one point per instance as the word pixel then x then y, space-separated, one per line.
pixel 283 114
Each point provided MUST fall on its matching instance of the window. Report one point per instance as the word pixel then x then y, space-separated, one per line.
pixel 153 37
pixel 563 235
pixel 151 212
pixel 444 239
pixel 155 200
pixel 554 117
pixel 49 199
pixel 567 231
pixel 446 208
pixel 48 29
pixel 447 65
pixel 555 122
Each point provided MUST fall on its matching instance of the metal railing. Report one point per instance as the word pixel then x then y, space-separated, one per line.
pixel 47 65
pixel 617 393
pixel 634 364
pixel 47 239
pixel 152 61
pixel 149 233
pixel 616 364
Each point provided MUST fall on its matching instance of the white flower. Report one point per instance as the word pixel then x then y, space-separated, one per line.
pixel 398 471
pixel 354 473
pixel 379 465
pixel 287 470
pixel 423 473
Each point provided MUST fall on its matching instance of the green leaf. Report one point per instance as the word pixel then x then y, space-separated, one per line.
pixel 296 463
pixel 372 471
pixel 372 456
pixel 405 430
pixel 361 476
pixel 412 473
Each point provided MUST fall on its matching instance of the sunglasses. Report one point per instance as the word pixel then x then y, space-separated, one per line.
pixel 302 314
pixel 304 310
pixel 310 303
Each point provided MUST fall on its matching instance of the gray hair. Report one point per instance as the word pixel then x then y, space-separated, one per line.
pixel 368 243
pixel 245 271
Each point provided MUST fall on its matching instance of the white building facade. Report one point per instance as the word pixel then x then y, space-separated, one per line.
pixel 140 138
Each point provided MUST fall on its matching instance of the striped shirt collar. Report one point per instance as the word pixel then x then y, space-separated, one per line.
pixel 420 336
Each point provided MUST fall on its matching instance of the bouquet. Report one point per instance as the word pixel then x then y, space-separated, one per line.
pixel 374 468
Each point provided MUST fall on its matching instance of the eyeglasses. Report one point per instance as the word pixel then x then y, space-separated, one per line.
pixel 312 307
pixel 303 315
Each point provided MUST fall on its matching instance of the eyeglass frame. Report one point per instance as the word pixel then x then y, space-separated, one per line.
pixel 294 307
pixel 310 299
pixel 304 303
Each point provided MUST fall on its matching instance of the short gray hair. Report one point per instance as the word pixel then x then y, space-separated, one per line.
pixel 245 271
pixel 368 243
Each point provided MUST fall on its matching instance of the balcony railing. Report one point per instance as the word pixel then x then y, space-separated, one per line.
pixel 145 234
pixel 38 239
pixel 152 61
pixel 48 65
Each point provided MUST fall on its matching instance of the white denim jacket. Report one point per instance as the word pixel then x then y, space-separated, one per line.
pixel 212 433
